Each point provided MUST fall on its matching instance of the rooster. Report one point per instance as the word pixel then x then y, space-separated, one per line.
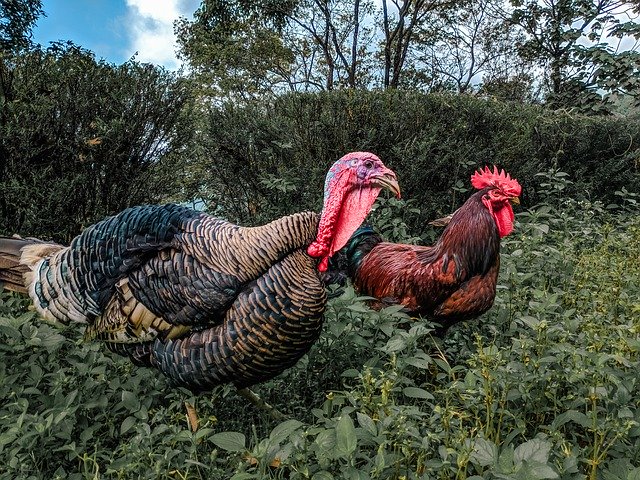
pixel 453 280
pixel 204 301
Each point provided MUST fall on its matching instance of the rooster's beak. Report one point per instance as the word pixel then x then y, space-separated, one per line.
pixel 387 179
pixel 515 200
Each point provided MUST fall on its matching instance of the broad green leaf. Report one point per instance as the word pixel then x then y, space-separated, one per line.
pixel 346 441
pixel 535 450
pixel 366 422
pixel 322 475
pixel 419 362
pixel 127 424
pixel 283 430
pixel 485 452
pixel 359 308
pixel 130 401
pixel 326 440
pixel 571 416
pixel 415 392
pixel 544 471
pixel 229 441
pixel 395 344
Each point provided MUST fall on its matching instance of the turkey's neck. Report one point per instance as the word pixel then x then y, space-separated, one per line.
pixel 277 239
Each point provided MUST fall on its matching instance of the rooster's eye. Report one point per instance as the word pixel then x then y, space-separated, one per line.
pixel 368 164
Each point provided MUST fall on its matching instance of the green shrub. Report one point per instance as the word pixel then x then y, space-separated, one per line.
pixel 434 142
pixel 81 139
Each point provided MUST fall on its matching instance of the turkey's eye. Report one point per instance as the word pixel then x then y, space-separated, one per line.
pixel 368 164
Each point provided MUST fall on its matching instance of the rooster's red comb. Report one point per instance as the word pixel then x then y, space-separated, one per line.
pixel 499 179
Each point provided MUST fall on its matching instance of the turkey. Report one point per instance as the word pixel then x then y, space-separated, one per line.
pixel 453 280
pixel 204 301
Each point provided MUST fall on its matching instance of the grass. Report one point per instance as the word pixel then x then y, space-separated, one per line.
pixel 545 385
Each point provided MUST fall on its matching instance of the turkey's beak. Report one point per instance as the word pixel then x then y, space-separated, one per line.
pixel 387 179
pixel 515 200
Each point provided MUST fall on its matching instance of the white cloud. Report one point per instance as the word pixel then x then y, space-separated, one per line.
pixel 150 26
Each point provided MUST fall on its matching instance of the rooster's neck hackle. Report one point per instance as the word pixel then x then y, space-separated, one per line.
pixel 472 236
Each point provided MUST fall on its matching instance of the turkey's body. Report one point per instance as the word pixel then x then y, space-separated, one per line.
pixel 203 300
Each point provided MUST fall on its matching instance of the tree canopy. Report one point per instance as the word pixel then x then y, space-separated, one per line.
pixel 567 53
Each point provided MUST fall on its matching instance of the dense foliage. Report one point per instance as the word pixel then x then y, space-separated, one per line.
pixel 268 159
pixel 81 139
pixel 542 386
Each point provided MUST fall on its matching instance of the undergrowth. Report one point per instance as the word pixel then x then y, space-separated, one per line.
pixel 543 386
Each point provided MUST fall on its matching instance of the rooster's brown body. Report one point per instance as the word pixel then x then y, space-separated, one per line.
pixel 451 281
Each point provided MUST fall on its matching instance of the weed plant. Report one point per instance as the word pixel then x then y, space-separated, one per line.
pixel 543 386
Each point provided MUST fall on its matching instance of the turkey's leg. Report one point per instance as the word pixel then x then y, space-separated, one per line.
pixel 258 402
pixel 192 416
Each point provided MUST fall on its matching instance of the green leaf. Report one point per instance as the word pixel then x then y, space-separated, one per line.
pixel 542 471
pixel 359 308
pixel 535 450
pixel 415 392
pixel 283 430
pixel 229 441
pixel 571 416
pixel 366 422
pixel 326 440
pixel 485 452
pixel 419 362
pixel 346 441
pixel 127 424
pixel 130 401
pixel 395 344
pixel 322 475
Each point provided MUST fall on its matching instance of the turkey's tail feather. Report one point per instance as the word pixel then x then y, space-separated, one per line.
pixel 17 256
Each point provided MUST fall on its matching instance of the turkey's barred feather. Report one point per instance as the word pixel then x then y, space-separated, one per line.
pixel 269 327
pixel 184 267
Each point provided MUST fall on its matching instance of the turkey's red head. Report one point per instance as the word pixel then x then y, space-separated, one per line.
pixel 352 185
pixel 503 191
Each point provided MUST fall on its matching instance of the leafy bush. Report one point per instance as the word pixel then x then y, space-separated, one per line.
pixel 544 385
pixel 82 139
pixel 434 142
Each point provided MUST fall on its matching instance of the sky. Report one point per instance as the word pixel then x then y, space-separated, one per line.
pixel 116 29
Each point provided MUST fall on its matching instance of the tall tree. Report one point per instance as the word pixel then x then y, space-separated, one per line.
pixel 574 42
pixel 312 44
pixel 399 24
pixel 336 37
pixel 17 18
pixel 235 46
pixel 472 46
